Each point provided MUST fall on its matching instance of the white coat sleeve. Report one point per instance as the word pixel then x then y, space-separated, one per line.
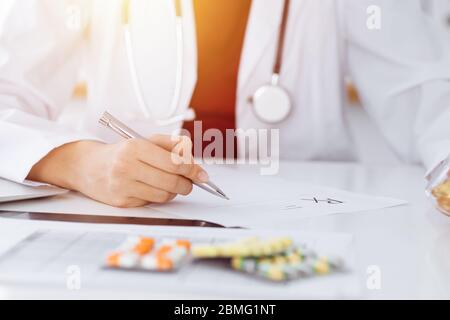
pixel 402 72
pixel 40 55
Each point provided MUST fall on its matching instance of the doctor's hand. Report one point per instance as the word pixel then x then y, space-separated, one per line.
pixel 132 173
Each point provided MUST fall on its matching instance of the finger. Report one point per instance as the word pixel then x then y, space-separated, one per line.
pixel 165 141
pixel 160 158
pixel 180 145
pixel 193 172
pixel 157 178
pixel 141 191
pixel 134 203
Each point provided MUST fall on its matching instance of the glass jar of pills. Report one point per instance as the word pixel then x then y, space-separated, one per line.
pixel 439 186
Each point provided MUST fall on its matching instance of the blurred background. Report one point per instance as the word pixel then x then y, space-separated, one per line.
pixel 369 143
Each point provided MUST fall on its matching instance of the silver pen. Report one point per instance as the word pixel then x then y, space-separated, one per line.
pixel 127 133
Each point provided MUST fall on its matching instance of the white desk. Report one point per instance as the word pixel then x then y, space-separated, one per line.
pixel 410 244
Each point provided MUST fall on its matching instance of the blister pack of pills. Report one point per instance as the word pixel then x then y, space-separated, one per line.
pixel 147 254
pixel 293 264
pixel 275 259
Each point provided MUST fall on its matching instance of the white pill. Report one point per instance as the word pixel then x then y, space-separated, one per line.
pixel 148 262
pixel 128 260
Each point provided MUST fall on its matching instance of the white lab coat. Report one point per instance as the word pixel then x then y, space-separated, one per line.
pixel 402 73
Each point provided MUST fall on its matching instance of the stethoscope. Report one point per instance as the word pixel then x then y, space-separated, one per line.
pixel 271 103
pixel 172 117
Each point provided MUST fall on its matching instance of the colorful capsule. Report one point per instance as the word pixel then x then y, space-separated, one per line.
pixel 146 254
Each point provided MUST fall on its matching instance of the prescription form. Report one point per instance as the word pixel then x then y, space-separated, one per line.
pixel 47 255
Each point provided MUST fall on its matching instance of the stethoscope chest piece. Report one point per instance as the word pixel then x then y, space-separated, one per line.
pixel 271 104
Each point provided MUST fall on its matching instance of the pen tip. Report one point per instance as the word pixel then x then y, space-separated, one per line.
pixel 224 195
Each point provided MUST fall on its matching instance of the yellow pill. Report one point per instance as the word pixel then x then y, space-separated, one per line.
pixel 236 263
pixel 229 251
pixel 244 251
pixel 274 246
pixel 205 252
pixel 221 250
pixel 238 251
pixel 281 244
pixel 279 260
pixel 267 250
pixel 294 258
pixel 322 267
pixel 287 242
pixel 256 250
pixel 275 274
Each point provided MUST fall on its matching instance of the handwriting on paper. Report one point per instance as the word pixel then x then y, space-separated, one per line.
pixel 315 200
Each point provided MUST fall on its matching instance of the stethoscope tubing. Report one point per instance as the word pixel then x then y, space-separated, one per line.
pixel 136 82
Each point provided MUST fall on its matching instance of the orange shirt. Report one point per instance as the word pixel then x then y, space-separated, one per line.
pixel 221 26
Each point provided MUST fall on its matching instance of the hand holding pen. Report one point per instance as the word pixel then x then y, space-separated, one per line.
pixel 131 173
pixel 176 174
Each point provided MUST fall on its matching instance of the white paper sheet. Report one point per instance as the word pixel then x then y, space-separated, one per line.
pixel 266 202
pixel 10 191
pixel 44 262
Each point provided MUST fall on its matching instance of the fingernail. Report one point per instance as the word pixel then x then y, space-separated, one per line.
pixel 203 176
